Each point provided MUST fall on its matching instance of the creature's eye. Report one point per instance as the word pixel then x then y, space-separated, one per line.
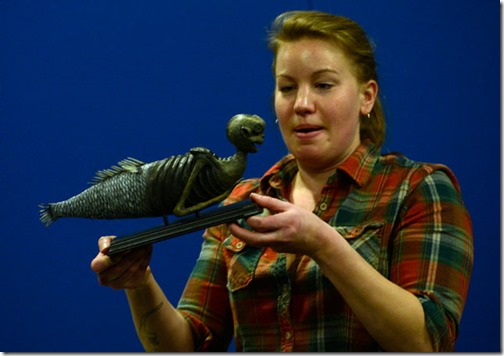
pixel 258 128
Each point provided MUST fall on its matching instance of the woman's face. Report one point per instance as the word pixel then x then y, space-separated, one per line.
pixel 318 102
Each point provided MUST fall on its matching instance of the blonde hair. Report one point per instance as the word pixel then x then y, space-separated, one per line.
pixel 348 36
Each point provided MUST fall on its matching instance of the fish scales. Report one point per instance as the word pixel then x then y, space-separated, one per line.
pixel 119 196
pixel 152 191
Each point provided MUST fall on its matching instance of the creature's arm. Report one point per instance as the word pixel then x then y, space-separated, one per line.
pixel 202 159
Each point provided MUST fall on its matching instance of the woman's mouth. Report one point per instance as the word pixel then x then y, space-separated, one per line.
pixel 307 131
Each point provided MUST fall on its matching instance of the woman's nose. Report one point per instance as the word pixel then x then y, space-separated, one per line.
pixel 304 102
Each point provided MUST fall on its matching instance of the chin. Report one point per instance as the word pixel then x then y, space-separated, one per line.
pixel 309 157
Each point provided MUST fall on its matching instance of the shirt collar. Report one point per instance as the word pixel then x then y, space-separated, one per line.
pixel 280 174
pixel 358 166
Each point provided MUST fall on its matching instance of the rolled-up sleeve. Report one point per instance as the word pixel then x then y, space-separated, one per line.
pixel 205 301
pixel 433 253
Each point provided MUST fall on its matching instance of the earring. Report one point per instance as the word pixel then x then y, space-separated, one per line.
pixel 276 122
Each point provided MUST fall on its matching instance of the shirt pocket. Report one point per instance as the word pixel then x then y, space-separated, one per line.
pixel 366 239
pixel 242 263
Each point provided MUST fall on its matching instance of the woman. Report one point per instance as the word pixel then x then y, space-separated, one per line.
pixel 355 251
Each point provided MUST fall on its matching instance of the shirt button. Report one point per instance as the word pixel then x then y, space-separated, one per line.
pixel 323 207
pixel 288 335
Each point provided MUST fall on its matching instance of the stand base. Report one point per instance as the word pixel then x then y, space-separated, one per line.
pixel 221 215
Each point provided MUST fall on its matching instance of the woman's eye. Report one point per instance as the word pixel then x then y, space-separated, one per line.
pixel 324 86
pixel 285 88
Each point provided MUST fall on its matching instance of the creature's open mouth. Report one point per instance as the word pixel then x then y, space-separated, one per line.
pixel 258 140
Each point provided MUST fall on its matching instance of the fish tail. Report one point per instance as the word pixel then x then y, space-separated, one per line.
pixel 46 215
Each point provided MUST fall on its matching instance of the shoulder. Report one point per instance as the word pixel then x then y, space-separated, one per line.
pixel 201 152
pixel 277 174
pixel 397 166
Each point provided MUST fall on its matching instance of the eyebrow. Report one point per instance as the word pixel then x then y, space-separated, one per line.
pixel 314 74
pixel 323 71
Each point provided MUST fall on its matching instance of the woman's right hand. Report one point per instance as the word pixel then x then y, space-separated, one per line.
pixel 127 270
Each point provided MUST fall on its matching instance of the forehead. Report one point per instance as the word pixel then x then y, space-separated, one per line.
pixel 310 53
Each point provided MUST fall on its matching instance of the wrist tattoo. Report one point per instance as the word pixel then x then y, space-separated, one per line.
pixel 150 337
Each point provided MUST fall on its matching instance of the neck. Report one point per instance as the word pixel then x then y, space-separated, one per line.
pixel 313 173
pixel 307 188
pixel 237 167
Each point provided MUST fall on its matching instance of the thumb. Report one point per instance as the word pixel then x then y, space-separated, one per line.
pixel 104 243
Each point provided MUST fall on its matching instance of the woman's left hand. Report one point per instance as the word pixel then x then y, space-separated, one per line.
pixel 289 229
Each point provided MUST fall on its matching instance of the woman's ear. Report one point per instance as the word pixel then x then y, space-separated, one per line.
pixel 369 91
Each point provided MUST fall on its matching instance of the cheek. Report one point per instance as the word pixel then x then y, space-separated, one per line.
pixel 283 115
pixel 344 120
pixel 282 108
pixel 347 109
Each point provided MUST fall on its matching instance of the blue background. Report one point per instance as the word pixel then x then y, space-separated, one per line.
pixel 84 84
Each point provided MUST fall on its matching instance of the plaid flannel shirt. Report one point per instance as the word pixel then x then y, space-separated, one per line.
pixel 406 219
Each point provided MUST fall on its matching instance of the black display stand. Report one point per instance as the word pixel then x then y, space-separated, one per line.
pixel 221 215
